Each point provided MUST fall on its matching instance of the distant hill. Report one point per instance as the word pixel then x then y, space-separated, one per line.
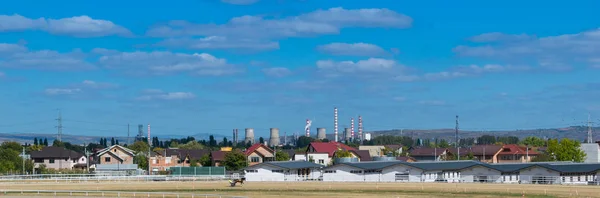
pixel 81 139
pixel 573 132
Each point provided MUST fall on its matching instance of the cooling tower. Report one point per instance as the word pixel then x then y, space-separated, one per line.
pixel 249 136
pixel 321 133
pixel 347 134
pixel 274 140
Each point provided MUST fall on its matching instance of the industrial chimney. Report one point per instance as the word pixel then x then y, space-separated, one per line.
pixel 321 134
pixel 335 123
pixel 347 134
pixel 274 139
pixel 249 136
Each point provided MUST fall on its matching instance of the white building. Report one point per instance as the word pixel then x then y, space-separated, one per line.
pixel 592 152
pixel 284 171
pixel 464 171
pixel 319 158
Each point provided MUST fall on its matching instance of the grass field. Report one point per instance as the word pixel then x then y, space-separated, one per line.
pixel 323 189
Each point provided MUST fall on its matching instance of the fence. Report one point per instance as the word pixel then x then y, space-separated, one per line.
pixel 99 178
pixel 502 179
pixel 198 171
pixel 64 193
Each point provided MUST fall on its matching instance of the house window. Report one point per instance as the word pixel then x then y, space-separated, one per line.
pixel 252 171
pixel 255 159
pixel 373 171
pixel 355 171
pixel 107 159
pixel 277 171
pixel 51 161
pixel 168 160
pixel 330 171
pixel 321 161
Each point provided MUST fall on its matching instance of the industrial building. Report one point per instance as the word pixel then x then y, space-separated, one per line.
pixel 464 171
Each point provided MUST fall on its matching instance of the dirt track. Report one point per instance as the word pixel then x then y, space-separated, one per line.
pixel 326 189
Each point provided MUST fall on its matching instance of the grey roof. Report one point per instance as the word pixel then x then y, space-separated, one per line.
pixel 291 164
pixel 459 165
pixel 371 164
pixel 50 152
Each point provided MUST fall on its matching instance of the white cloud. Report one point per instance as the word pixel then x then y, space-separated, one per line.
pixel 18 57
pixel 78 26
pixel 319 22
pixel 156 94
pixel 161 63
pixel 432 102
pixel 97 85
pixel 352 49
pixel 219 42
pixel 61 91
pixel 377 65
pixel 500 37
pixel 277 71
pixel 240 2
pixel 473 70
pixel 556 53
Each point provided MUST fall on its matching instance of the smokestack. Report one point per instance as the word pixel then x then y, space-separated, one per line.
pixel 237 136
pixel 307 128
pixel 321 134
pixel 360 128
pixel 352 128
pixel 149 141
pixel 274 139
pixel 335 123
pixel 249 136
pixel 347 134
pixel 233 136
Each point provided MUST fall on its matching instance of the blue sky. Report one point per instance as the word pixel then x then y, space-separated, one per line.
pixel 210 66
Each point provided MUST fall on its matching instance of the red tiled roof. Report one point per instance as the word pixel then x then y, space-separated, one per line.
pixel 256 146
pixel 218 155
pixel 363 155
pixel 329 147
pixel 511 149
pixel 487 150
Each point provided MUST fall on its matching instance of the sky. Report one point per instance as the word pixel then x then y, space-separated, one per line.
pixel 210 66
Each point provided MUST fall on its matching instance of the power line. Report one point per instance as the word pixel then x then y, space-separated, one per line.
pixel 26 123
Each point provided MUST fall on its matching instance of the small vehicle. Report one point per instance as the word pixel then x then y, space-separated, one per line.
pixel 235 181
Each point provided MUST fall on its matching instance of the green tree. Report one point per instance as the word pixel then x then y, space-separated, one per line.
pixel 112 141
pixel 533 141
pixel 342 153
pixel 261 140
pixel 141 161
pixel 57 143
pixel 303 141
pixel 45 141
pixel 235 160
pixel 443 144
pixel 543 157
pixel 205 160
pixel 140 147
pixel 195 163
pixel 211 141
pixel 565 150
pixel 35 141
pixel 388 151
pixel 282 156
pixel 191 145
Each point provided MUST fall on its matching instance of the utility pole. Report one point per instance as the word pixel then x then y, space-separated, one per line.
pixel 23 155
pixel 59 127
pixel 456 131
pixel 128 143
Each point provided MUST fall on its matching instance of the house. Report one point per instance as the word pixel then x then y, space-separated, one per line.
pixel 512 153
pixel 283 171
pixel 217 157
pixel 486 153
pixel 376 150
pixel 259 153
pixel 428 154
pixel 322 152
pixel 58 158
pixel 167 158
pixel 115 154
pixel 295 155
pixel 406 159
pixel 592 152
